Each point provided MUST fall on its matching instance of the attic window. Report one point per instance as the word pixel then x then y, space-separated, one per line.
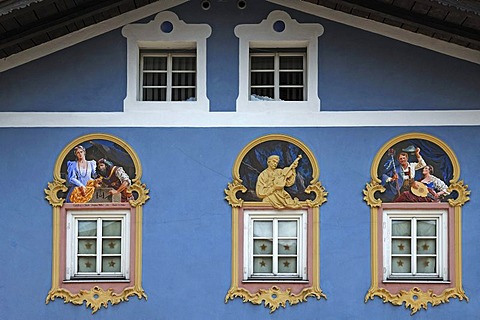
pixel 167 63
pixel 278 65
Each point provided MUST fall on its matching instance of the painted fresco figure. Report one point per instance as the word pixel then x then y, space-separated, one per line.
pixel 428 189
pixel 271 182
pixel 114 177
pixel 81 174
pixel 399 178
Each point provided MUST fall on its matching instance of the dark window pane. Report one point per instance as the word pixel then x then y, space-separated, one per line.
pixel 184 79
pixel 154 79
pixel 184 63
pixel 183 94
pixel 262 78
pixel 263 92
pixel 291 78
pixel 291 94
pixel 289 63
pixel 155 63
pixel 262 63
pixel 154 94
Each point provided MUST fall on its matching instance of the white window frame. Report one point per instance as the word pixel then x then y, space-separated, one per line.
pixel 441 216
pixel 277 54
pixel 169 71
pixel 150 36
pixel 264 35
pixel 73 216
pixel 268 215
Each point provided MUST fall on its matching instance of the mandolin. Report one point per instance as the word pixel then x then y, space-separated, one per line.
pixel 281 180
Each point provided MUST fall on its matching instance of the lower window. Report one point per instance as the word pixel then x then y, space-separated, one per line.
pixel 275 245
pixel 415 245
pixel 98 245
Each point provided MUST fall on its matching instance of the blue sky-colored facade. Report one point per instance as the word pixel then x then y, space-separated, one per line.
pixel 187 222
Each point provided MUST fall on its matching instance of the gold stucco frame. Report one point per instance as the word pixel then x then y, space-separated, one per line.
pixel 274 297
pixel 415 298
pixel 95 297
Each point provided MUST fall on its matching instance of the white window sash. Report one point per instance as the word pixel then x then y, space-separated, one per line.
pixel 441 242
pixel 264 215
pixel 72 272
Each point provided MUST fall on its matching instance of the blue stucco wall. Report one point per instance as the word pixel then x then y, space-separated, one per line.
pixel 187 223
pixel 358 70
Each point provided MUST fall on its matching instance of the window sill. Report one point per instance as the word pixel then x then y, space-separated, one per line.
pixel 417 281
pixel 94 280
pixel 200 105
pixel 289 280
pixel 278 106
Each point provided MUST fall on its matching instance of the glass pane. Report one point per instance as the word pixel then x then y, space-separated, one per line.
pixel 426 265
pixel 112 228
pixel 262 265
pixel 183 94
pixel 262 247
pixel 184 63
pixel 426 246
pixel 427 228
pixel 401 246
pixel 88 246
pixel 111 264
pixel 287 228
pixel 184 79
pixel 287 246
pixel 262 63
pixel 112 246
pixel 401 265
pixel 87 264
pixel 291 78
pixel 262 93
pixel 291 94
pixel 262 229
pixel 401 228
pixel 154 79
pixel 262 78
pixel 87 228
pixel 155 63
pixel 289 63
pixel 287 265
pixel 154 94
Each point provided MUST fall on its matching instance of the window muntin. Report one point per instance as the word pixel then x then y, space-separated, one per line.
pixel 278 75
pixel 275 246
pixel 415 245
pixel 98 245
pixel 168 76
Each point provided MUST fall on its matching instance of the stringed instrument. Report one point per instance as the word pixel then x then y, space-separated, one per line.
pixel 281 180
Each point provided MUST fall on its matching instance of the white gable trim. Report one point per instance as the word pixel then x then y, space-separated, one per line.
pixel 234 119
pixel 416 39
pixel 85 34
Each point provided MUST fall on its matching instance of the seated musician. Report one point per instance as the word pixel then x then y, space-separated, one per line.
pixel 272 180
pixel 429 189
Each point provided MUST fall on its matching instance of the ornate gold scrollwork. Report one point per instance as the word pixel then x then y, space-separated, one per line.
pixel 231 193
pixel 369 192
pixel 320 194
pixel 274 297
pixel 52 192
pixel 141 190
pixel 96 297
pixel 463 193
pixel 415 298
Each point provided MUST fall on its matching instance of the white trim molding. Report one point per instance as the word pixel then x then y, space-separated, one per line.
pixel 264 35
pixel 235 119
pixel 178 36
